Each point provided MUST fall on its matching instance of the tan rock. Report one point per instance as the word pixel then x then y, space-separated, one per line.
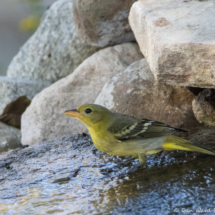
pixel 44 118
pixel 103 23
pixel 135 92
pixel 204 107
pixel 177 39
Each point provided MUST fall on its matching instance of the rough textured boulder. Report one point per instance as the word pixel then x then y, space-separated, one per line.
pixel 204 107
pixel 9 137
pixel 13 88
pixel 54 51
pixel 103 23
pixel 135 92
pixel 44 118
pixel 177 39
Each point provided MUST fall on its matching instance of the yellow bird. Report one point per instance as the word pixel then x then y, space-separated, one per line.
pixel 124 135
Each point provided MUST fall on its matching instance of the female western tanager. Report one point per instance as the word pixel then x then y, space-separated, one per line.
pixel 123 135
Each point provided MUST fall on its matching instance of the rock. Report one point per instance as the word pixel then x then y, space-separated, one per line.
pixel 204 107
pixel 177 39
pixel 44 118
pixel 13 88
pixel 10 138
pixel 103 23
pixel 135 92
pixel 13 111
pixel 54 51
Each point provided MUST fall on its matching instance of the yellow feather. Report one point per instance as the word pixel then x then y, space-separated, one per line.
pixel 173 146
pixel 177 143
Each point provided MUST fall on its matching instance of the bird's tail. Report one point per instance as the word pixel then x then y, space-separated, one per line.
pixel 177 143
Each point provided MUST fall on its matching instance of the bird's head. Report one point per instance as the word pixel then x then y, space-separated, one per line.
pixel 90 114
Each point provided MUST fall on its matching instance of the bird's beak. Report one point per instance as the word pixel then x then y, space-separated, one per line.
pixel 73 113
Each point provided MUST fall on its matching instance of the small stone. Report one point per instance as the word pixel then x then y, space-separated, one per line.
pixel 10 137
pixel 204 107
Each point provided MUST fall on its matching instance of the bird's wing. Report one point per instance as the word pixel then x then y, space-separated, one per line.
pixel 127 128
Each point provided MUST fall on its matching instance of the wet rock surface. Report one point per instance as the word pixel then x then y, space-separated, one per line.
pixel 69 175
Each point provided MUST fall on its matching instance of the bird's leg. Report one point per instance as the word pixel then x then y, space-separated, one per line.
pixel 142 157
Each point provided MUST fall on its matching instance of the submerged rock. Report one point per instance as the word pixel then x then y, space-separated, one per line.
pixel 177 39
pixel 44 118
pixel 103 23
pixel 69 175
pixel 204 107
pixel 136 92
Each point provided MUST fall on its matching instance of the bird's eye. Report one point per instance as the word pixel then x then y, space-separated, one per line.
pixel 88 110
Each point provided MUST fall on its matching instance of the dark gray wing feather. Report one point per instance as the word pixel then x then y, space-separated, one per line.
pixel 126 128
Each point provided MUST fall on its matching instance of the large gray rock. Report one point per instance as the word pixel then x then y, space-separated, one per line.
pixel 54 51
pixel 13 88
pixel 103 23
pixel 44 118
pixel 177 39
pixel 9 137
pixel 204 107
pixel 135 92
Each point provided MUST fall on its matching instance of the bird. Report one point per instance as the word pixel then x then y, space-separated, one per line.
pixel 124 135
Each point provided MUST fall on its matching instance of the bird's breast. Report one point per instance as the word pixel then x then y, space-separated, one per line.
pixel 102 140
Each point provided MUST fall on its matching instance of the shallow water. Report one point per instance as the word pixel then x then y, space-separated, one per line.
pixel 70 177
